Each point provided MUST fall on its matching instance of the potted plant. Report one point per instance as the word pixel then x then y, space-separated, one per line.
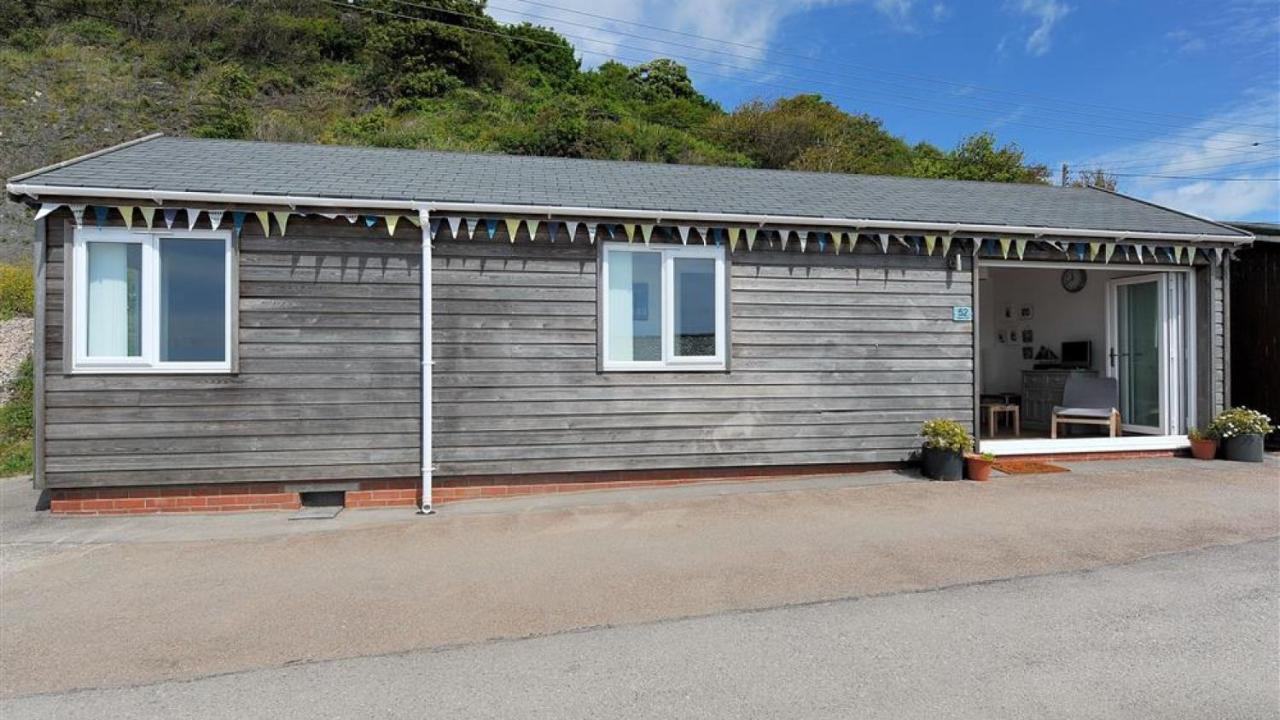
pixel 1241 431
pixel 979 466
pixel 1203 445
pixel 945 443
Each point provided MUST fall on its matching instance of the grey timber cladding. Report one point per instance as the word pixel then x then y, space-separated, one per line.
pixel 328 386
pixel 835 360
pixel 229 166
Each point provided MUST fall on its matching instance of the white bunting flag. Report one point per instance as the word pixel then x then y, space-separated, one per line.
pixel 215 218
pixel 783 237
pixel 193 217
pixel 884 242
pixel 45 209
pixel 1142 249
pixel 351 218
pixel 702 233
pixel 804 239
pixel 392 221
pixel 929 242
pixel 683 232
pixel 282 219
pixel 573 229
pixel 77 212
pixel 1217 255
pixel 126 212
pixel 455 224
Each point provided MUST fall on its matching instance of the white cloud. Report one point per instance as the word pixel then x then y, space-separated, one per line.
pixel 1220 146
pixel 609 31
pixel 1185 41
pixel 1047 14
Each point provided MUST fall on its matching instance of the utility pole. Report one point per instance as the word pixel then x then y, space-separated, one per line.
pixel 1064 174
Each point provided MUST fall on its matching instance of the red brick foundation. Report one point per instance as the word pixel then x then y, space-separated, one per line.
pixel 1122 455
pixel 405 492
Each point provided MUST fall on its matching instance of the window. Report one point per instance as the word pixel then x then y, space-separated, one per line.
pixel 151 301
pixel 664 308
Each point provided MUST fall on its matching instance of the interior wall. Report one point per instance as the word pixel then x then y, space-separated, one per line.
pixel 1057 316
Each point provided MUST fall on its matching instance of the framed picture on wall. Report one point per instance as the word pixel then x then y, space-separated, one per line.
pixel 1027 335
pixel 1026 312
pixel 1027 352
pixel 1000 336
pixel 1008 312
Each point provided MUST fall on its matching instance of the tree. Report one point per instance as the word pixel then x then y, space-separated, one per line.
pixel 543 49
pixel 978 158
pixel 429 56
pixel 663 78
pixel 1097 178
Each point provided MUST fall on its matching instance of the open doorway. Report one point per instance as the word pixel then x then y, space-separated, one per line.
pixel 1078 357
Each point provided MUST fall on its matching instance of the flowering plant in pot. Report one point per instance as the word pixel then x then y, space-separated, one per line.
pixel 1203 445
pixel 1241 431
pixel 945 443
pixel 979 466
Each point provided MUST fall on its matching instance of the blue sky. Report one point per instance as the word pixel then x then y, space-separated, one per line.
pixel 1180 87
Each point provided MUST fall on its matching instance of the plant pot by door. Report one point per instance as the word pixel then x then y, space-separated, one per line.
pixel 1244 448
pixel 939 464
pixel 978 468
pixel 1204 449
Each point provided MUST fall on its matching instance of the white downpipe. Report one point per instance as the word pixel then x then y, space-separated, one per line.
pixel 161 196
pixel 424 217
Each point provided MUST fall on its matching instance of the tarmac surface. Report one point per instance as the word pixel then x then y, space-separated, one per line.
pixel 1153 582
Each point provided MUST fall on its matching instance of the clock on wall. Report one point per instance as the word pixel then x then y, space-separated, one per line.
pixel 1073 281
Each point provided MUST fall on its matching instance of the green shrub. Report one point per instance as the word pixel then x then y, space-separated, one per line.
pixel 946 435
pixel 17 291
pixel 17 423
pixel 1239 421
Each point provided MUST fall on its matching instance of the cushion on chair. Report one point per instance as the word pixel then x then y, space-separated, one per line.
pixel 1083 393
pixel 1082 412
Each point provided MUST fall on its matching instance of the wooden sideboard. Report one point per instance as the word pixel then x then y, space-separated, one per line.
pixel 1041 391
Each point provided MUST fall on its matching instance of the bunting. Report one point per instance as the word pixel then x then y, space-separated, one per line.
pixel 552 229
pixel 646 231
pixel 837 239
pixel 1107 250
pixel 414 220
pixel 193 217
pixel 1020 246
pixel 455 223
pixel 751 237
pixel 282 219
pixel 1094 247
pixel 170 214
pixel 263 217
pixel 884 243
pixel 100 214
pixel 946 245
pixel 391 220
pixel 683 232
pixel 513 228
pixel 929 242
pixel 804 239
pixel 573 229
pixel 237 221
pixel 215 218
pixel 1004 247
pixel 126 212
pixel 822 241
pixel 490 227
pixel 45 209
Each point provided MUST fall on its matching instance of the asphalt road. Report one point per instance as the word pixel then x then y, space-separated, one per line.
pixel 1186 635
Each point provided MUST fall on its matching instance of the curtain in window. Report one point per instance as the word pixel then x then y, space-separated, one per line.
pixel 114 322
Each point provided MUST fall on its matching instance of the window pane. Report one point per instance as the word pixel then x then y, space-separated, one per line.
pixel 635 306
pixel 695 307
pixel 193 300
pixel 114 300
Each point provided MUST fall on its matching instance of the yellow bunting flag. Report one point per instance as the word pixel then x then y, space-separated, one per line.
pixel 1177 254
pixel 1004 247
pixel 946 245
pixel 148 215
pixel 1107 251
pixel 837 239
pixel 1094 247
pixel 282 219
pixel 646 231
pixel 392 221
pixel 751 237
pixel 1020 245
pixel 414 220
pixel 929 242
pixel 853 240
pixel 513 228
pixel 734 237
pixel 265 219
pixel 126 212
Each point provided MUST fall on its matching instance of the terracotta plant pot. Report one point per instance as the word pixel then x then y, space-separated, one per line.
pixel 938 464
pixel 1205 449
pixel 978 468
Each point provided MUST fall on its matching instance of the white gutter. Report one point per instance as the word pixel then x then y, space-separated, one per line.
pixel 426 328
pixel 162 196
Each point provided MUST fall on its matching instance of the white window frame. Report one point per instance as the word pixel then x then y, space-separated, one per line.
pixel 149 361
pixel 670 362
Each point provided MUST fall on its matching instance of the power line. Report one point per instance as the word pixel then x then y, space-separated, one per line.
pixel 924 78
pixel 1196 177
pixel 931 108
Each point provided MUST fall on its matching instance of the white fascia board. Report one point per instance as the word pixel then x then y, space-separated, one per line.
pixel 162 196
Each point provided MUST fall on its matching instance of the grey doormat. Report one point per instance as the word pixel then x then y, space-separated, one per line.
pixel 317 513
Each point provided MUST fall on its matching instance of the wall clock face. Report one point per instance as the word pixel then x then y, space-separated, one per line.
pixel 1074 280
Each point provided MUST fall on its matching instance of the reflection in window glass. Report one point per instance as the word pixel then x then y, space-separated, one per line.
pixel 114 321
pixel 635 306
pixel 695 307
pixel 192 300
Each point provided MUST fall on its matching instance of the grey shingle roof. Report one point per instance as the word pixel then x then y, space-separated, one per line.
pixel 360 173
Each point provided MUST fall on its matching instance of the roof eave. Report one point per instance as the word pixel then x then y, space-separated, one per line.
pixel 36 191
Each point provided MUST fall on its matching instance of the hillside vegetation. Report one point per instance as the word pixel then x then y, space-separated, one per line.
pixel 83 74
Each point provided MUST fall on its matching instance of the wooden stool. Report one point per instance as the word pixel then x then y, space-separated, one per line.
pixel 1014 412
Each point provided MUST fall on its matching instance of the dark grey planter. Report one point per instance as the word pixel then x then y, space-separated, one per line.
pixel 1243 448
pixel 939 464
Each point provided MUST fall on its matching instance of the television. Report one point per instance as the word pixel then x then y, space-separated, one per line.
pixel 1077 354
